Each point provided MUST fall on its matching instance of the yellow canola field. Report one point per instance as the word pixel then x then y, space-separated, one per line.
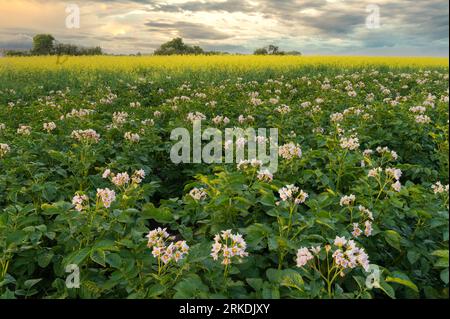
pixel 239 62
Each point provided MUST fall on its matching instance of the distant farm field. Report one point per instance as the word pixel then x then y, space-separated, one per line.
pixel 92 204
pixel 243 63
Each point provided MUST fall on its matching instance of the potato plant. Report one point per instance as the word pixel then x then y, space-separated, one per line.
pixel 358 207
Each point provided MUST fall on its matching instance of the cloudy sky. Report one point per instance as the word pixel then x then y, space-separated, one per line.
pixel 326 27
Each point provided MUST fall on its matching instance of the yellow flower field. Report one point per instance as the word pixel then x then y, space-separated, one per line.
pixel 208 62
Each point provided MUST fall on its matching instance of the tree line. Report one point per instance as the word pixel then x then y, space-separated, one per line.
pixel 46 44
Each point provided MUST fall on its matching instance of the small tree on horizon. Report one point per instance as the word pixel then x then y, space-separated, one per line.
pixel 43 44
pixel 261 51
pixel 274 50
pixel 177 46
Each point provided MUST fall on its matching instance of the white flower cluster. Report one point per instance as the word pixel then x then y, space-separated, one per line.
pixel 132 137
pixel 242 119
pixel 245 164
pixel 122 179
pixel 157 114
pixel 350 143
pixel 87 136
pixel 135 104
pixel 148 122
pixel 348 255
pixel 367 229
pixel 318 130
pixel 366 212
pixel 374 172
pixel 336 117
pixel 160 241
pixel 198 193
pixel 81 113
pixel 289 151
pixel 422 119
pixel 283 109
pixel 392 173
pixel 221 119
pixel 347 200
pixel 4 149
pixel 106 196
pixel 293 193
pixel 80 201
pixel 119 118
pixel 227 245
pixel 255 101
pixel 274 101
pixel 109 99
pixel 197 116
pixel 418 109
pixel 265 175
pixel 438 188
pixel 138 176
pixel 50 126
pixel 24 130
pixel 395 173
pixel 303 256
pixel 386 150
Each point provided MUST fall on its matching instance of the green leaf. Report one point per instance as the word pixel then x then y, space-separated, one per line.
pixel 441 263
pixel 190 287
pixel 440 253
pixel 393 239
pixel 161 215
pixel 105 244
pixel 403 281
pixel 98 256
pixel 292 279
pixel 16 237
pixel 388 290
pixel 156 290
pixel 255 283
pixel 31 282
pixel 255 234
pixel 114 260
pixel 45 258
pixel 77 257
pixel 444 276
pixel 413 256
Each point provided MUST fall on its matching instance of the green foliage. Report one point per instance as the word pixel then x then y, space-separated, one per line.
pixel 42 232
pixel 42 44
pixel 274 50
pixel 178 47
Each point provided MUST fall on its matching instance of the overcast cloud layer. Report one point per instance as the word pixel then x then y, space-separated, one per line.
pixel 328 27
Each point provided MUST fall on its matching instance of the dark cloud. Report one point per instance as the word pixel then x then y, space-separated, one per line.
pixel 15 45
pixel 196 6
pixel 230 48
pixel 188 30
pixel 335 23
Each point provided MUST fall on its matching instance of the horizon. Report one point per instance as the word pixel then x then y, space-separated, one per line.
pixel 315 28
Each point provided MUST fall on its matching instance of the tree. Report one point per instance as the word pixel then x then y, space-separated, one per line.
pixel 43 44
pixel 16 53
pixel 293 53
pixel 274 50
pixel 70 49
pixel 177 46
pixel 261 51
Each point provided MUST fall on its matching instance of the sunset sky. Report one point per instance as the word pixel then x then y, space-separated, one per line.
pixel 326 27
